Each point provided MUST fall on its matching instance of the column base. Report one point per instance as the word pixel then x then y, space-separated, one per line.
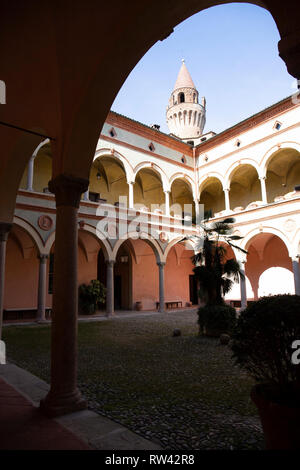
pixel 58 405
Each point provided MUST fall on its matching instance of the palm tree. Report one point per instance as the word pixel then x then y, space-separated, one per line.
pixel 215 273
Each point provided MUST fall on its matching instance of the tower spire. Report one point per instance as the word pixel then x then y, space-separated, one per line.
pixel 184 78
pixel 185 115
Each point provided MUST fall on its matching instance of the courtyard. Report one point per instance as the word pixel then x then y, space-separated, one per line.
pixel 179 392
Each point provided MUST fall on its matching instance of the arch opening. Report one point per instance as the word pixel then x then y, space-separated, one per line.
pixel 148 190
pixel 283 174
pixel 245 188
pixel 212 197
pixel 266 253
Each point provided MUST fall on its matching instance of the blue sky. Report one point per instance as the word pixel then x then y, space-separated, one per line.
pixel 231 53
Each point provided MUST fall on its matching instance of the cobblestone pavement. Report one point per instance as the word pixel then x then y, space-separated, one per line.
pixel 184 393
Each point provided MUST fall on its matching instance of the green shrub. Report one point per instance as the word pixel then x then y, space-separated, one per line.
pixel 262 341
pixel 216 319
pixel 90 296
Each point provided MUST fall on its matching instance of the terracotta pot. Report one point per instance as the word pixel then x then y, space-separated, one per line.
pixel 280 423
pixel 86 308
pixel 138 306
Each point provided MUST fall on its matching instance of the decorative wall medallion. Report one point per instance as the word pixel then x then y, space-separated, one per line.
pixel 163 237
pixel 45 222
pixel 290 225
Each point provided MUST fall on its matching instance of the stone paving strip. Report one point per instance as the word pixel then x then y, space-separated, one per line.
pixel 97 431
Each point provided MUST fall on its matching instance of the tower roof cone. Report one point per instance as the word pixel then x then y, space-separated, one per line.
pixel 184 80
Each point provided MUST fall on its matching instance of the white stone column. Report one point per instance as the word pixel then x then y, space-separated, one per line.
pixel 227 201
pixel 86 195
pixel 296 270
pixel 161 266
pixel 167 203
pixel 130 195
pixel 4 231
pixel 197 211
pixel 110 309
pixel 263 189
pixel 42 288
pixel 30 172
pixel 64 396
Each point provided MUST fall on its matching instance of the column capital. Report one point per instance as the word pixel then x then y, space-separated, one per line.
pixel 110 262
pixel 262 177
pixel 226 189
pixel 42 257
pixel 161 264
pixel 5 228
pixel 68 189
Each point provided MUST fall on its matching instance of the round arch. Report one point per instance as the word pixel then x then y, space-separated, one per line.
pixel 32 232
pixel 187 179
pixel 269 154
pixel 101 239
pixel 232 169
pixel 96 233
pixel 204 179
pixel 245 242
pixel 153 166
pixel 142 236
pixel 108 152
pixel 173 243
pixel 44 142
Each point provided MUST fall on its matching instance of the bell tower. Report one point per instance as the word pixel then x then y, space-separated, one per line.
pixel 185 115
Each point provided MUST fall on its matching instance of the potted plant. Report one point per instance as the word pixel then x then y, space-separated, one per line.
pixel 263 344
pixel 90 296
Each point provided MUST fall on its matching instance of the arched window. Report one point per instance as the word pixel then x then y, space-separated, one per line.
pixel 181 98
pixel 194 97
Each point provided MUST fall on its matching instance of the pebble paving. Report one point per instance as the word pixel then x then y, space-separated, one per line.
pixel 184 393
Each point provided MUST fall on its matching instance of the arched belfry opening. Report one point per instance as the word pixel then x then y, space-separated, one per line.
pixel 181 98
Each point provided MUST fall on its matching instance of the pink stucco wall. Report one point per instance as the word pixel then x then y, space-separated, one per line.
pixel 145 281
pixel 146 278
pixel 21 277
pixel 177 271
